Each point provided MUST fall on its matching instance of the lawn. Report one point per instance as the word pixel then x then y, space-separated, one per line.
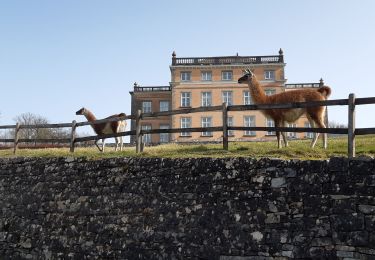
pixel 298 149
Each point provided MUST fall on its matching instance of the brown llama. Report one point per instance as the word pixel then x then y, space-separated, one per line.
pixel 105 128
pixel 315 115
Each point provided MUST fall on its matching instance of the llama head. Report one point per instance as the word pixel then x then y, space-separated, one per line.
pixel 82 111
pixel 248 76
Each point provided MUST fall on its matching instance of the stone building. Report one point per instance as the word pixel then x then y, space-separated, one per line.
pixel 210 81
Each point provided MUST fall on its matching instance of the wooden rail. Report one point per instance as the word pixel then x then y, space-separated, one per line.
pixel 351 131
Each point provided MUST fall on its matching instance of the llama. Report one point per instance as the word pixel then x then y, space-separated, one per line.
pixel 315 115
pixel 105 128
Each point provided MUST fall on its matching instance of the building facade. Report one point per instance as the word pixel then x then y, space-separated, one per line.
pixel 210 81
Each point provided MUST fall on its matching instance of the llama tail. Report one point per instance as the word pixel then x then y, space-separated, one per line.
pixel 325 91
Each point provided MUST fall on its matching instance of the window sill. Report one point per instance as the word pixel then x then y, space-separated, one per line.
pixel 185 136
pixel 185 107
pixel 207 136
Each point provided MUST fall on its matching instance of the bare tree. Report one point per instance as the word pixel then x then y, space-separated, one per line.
pixel 334 124
pixel 38 133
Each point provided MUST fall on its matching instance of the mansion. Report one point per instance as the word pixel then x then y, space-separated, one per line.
pixel 210 81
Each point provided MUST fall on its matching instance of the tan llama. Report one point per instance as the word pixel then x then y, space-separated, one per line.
pixel 105 128
pixel 315 115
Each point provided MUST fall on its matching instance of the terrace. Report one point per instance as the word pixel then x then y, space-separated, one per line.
pixel 228 60
pixel 138 88
pixel 305 85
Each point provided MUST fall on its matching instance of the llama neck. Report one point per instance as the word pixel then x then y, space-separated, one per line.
pixel 257 92
pixel 90 116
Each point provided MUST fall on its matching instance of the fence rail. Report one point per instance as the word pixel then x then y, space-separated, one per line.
pixel 351 131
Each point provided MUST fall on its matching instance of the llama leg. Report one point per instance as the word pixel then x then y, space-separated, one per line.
pixel 316 135
pixel 116 139
pixel 285 138
pixel 121 143
pixel 103 145
pixel 96 143
pixel 321 124
pixel 278 135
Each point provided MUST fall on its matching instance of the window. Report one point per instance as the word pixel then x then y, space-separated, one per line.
pixel 206 76
pixel 164 106
pixel 164 137
pixel 146 137
pixel 206 99
pixel 206 122
pixel 270 123
pixel 185 76
pixel 230 123
pixel 227 97
pixel 247 98
pixel 270 91
pixel 185 123
pixel 292 134
pixel 185 99
pixel 249 121
pixel 308 134
pixel 226 75
pixel 269 75
pixel 146 106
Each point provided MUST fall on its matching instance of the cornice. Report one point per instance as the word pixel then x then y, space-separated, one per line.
pixel 227 66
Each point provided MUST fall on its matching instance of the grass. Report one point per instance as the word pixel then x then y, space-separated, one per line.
pixel 298 149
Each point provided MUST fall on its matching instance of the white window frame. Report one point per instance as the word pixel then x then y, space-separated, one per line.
pixel 230 123
pixel 146 137
pixel 164 105
pixel 185 122
pixel 247 98
pixel 185 99
pixel 227 75
pixel 309 135
pixel 227 97
pixel 270 123
pixel 164 137
pixel 206 121
pixel 269 75
pixel 206 75
pixel 249 121
pixel 292 134
pixel 206 98
pixel 270 91
pixel 146 106
pixel 185 76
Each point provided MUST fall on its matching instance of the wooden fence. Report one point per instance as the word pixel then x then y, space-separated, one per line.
pixel 351 131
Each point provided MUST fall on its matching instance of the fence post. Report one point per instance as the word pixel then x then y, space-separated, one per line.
pixel 351 126
pixel 73 136
pixel 16 137
pixel 225 126
pixel 138 137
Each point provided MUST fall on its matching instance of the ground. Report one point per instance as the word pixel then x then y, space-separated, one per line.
pixel 298 149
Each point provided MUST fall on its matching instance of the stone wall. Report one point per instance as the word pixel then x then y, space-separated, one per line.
pixel 226 209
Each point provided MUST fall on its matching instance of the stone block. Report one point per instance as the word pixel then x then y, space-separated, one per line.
pixel 278 182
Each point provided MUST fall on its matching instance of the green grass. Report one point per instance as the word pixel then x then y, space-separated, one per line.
pixel 298 149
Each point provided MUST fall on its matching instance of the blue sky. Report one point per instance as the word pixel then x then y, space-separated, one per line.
pixel 57 56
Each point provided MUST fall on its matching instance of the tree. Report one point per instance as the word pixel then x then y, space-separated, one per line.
pixel 334 124
pixel 38 133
